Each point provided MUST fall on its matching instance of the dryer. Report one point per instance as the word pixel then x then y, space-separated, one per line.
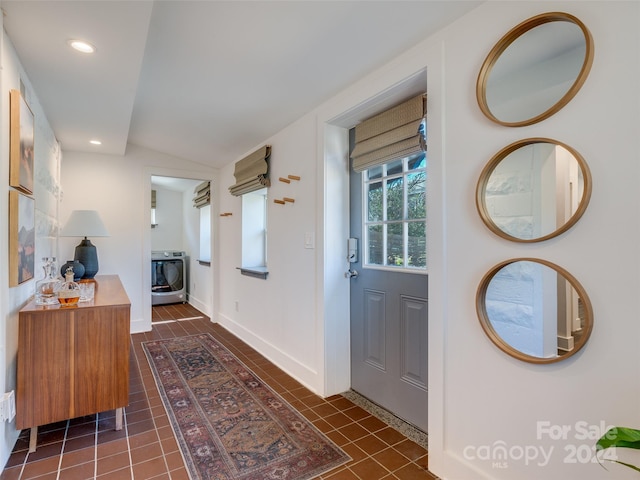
pixel 168 277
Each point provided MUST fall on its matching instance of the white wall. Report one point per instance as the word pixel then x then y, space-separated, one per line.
pixel 484 397
pixel 276 315
pixel 169 232
pixel 46 195
pixel 479 396
pixel 119 188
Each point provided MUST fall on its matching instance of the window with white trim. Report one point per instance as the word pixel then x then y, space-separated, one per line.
pixel 254 229
pixel 204 256
pixel 395 214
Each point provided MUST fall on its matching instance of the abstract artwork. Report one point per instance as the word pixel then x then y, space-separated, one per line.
pixel 21 238
pixel 21 143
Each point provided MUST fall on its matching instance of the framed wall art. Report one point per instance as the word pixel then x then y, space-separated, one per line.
pixel 21 142
pixel 22 236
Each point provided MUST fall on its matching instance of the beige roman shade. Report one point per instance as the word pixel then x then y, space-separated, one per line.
pixel 202 195
pixel 252 172
pixel 393 134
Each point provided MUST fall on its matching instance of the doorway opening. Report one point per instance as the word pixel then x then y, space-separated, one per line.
pixel 337 230
pixel 172 274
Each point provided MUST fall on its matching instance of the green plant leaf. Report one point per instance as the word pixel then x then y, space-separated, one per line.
pixel 627 465
pixel 619 437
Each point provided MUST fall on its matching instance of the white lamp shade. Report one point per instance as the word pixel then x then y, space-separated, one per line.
pixel 84 223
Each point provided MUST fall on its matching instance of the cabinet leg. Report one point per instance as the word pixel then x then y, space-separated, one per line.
pixel 33 439
pixel 118 418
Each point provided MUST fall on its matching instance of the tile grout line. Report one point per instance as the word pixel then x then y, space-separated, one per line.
pixel 95 449
pixel 126 430
pixel 64 441
pixel 24 464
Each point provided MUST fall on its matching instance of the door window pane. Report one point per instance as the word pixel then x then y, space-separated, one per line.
pixel 375 248
pixel 374 201
pixel 395 245
pixel 416 202
pixel 375 172
pixel 395 198
pixel 419 161
pixel 394 167
pixel 417 244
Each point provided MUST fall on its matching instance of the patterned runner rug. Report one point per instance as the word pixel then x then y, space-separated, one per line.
pixel 229 424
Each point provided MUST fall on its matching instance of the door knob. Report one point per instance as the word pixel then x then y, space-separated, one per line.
pixel 351 273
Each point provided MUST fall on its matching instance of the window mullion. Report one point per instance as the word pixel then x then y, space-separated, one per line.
pixel 405 214
pixel 365 217
pixel 384 215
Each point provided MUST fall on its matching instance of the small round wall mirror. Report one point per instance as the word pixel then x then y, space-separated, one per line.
pixel 533 190
pixel 535 69
pixel 534 310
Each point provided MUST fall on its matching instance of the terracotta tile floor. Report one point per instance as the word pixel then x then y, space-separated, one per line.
pixel 90 448
pixel 175 311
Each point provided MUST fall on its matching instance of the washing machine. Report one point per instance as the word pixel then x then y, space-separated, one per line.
pixel 168 277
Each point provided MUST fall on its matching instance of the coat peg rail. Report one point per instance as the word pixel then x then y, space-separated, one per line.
pixel 284 200
pixel 289 178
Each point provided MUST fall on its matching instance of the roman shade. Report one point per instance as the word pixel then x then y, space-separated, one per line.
pixel 252 172
pixel 202 195
pixel 393 134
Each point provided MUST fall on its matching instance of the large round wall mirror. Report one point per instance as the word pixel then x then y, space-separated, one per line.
pixel 535 69
pixel 534 310
pixel 533 190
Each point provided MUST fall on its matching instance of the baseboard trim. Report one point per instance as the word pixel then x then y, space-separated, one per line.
pixel 302 373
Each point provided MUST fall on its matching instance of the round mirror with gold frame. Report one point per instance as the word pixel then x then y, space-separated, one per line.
pixel 533 190
pixel 535 69
pixel 534 310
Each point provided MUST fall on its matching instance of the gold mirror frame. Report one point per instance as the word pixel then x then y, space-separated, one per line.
pixel 512 36
pixel 505 152
pixel 485 322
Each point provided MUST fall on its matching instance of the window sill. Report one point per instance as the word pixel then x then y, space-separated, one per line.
pixel 256 272
pixel 206 263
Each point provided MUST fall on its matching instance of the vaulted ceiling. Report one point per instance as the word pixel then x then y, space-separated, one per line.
pixel 204 80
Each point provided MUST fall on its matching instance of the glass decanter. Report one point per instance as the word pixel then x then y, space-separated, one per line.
pixel 46 287
pixel 69 291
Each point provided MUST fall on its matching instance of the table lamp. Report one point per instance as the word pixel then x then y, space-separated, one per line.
pixel 85 223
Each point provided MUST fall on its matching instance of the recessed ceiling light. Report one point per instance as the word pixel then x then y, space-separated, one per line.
pixel 95 142
pixel 81 46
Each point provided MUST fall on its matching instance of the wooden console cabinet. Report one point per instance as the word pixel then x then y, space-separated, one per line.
pixel 74 361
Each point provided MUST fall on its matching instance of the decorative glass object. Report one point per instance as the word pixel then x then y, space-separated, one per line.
pixel 87 291
pixel 46 287
pixel 69 292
